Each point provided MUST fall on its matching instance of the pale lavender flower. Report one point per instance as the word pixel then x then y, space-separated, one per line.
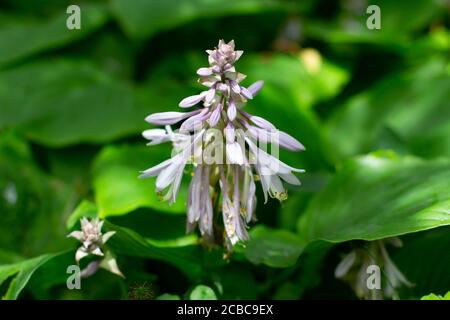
pixel 91 238
pixel 235 168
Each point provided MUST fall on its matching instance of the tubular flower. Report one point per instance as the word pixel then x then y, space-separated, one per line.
pixel 226 148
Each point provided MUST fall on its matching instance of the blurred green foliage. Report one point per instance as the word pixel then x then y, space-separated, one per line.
pixel 371 107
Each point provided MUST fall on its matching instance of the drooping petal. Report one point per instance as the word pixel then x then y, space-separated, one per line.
pixel 167 175
pixel 154 171
pixel 344 266
pixel 194 196
pixel 290 178
pixel 176 186
pixel 206 216
pixel 259 121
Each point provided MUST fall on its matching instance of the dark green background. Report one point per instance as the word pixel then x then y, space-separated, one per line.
pixel 371 107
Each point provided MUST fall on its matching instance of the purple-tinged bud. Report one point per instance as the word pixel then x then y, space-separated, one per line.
pixel 235 87
pixel 256 87
pixel 229 133
pixel 246 93
pixel 169 118
pixel 260 122
pixel 204 72
pixel 192 100
pixel 210 94
pixel 231 111
pixel 215 116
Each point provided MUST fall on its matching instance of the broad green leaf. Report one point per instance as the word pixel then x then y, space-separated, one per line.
pixel 399 20
pixel 424 262
pixel 7 257
pixel 31 202
pixel 165 229
pixel 406 112
pixel 378 196
pixel 57 102
pixel 308 272
pixel 21 273
pixel 143 18
pixel 128 242
pixel 51 274
pixel 202 292
pixel 229 279
pixel 273 247
pixel 118 190
pixel 28 37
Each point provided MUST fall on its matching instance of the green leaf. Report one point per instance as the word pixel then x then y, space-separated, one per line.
pixel 202 292
pixel 399 20
pixel 128 242
pixel 21 273
pixel 168 296
pixel 118 190
pixel 432 296
pixel 28 37
pixel 143 18
pixel 229 279
pixel 275 248
pixel 378 196
pixel 424 262
pixel 56 103
pixel 31 203
pixel 84 209
pixel 162 228
pixel 406 112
